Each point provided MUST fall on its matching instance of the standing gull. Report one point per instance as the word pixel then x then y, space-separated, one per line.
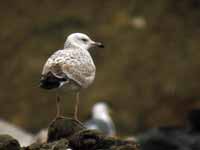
pixel 72 66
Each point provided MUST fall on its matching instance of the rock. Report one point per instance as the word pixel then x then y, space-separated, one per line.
pixel 63 127
pixel 93 140
pixel 68 134
pixel 8 143
pixel 83 139
pixel 61 144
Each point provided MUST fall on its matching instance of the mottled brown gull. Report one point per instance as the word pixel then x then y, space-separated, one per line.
pixel 72 66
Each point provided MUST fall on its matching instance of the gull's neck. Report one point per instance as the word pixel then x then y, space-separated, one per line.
pixel 69 45
pixel 72 45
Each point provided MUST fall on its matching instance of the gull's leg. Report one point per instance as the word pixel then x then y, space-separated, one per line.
pixel 57 105
pixel 76 107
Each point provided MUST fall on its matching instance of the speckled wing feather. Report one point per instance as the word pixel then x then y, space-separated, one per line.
pixel 76 64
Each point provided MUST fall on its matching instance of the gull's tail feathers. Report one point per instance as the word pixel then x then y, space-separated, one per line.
pixel 49 81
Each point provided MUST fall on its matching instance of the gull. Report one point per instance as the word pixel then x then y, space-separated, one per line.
pixel 101 120
pixel 25 138
pixel 72 66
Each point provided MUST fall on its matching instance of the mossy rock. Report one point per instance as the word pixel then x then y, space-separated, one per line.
pixel 63 127
pixel 61 144
pixel 81 138
pixel 8 143
pixel 94 140
pixel 65 134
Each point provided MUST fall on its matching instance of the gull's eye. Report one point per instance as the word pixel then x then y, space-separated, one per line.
pixel 84 40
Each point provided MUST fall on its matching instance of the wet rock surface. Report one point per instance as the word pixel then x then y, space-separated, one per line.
pixel 65 134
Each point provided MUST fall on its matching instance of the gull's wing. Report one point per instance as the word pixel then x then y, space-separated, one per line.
pixel 76 64
pixel 54 64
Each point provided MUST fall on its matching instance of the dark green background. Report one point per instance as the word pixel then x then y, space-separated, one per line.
pixel 149 74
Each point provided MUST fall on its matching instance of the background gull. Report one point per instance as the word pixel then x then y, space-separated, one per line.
pixel 25 138
pixel 101 120
pixel 72 66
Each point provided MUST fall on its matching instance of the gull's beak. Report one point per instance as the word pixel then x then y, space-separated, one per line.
pixel 98 44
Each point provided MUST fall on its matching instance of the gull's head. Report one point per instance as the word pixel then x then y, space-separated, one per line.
pixel 100 109
pixel 81 40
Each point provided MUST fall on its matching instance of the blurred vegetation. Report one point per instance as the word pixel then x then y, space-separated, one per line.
pixel 149 70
